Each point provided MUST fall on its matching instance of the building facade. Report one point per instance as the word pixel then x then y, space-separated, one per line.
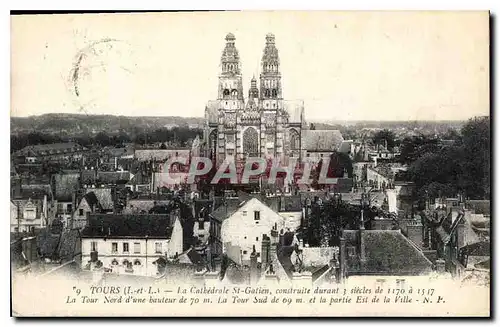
pixel 263 125
pixel 131 244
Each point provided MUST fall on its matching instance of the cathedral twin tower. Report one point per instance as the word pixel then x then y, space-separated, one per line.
pixel 264 125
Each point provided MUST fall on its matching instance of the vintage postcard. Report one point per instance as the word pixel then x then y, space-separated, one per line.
pixel 250 164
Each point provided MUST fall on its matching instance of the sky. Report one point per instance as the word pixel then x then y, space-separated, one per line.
pixel 344 65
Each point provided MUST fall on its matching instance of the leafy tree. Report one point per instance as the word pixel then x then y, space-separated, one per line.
pixel 462 168
pixel 415 147
pixel 384 137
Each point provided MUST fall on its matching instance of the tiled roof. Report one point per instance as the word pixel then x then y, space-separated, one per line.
pixel 70 245
pixel 49 149
pixel 192 257
pixel 160 154
pixel 65 186
pixel 226 210
pixel 139 226
pixel 386 252
pixel 478 249
pixel 47 244
pixel 92 200
pixel 113 177
pixel 321 140
pixel 143 205
pixel 104 197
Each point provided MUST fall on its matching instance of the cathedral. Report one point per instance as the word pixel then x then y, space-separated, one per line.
pixel 263 124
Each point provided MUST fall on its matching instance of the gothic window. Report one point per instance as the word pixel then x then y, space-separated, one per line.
pixel 275 93
pixel 268 93
pixel 251 142
pixel 213 142
pixel 294 140
pixel 234 93
pixel 226 92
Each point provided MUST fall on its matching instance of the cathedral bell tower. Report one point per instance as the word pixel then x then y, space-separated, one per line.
pixel 270 78
pixel 230 80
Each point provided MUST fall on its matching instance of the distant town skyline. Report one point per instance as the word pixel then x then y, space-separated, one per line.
pixel 346 66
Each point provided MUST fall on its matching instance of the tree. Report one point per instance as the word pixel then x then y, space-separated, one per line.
pixel 103 139
pixel 385 137
pixel 461 168
pixel 415 147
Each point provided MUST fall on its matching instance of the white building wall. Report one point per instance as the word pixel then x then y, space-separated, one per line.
pixel 241 229
pixel 146 256
pixel 392 200
pixel 176 240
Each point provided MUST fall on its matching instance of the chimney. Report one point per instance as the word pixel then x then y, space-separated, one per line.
pixel 342 255
pixel 201 223
pixel 254 273
pixel 266 244
pixel 440 266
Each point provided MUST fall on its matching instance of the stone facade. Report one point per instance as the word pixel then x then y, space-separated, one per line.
pixel 263 125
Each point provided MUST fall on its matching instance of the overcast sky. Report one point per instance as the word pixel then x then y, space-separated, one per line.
pixel 344 65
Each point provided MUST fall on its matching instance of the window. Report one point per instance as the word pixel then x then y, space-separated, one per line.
pixel 244 213
pixel 245 252
pixel 114 247
pixel 80 212
pixel 157 247
pixel 125 247
pixel 137 247
pixel 257 238
pixel 93 246
pixel 256 215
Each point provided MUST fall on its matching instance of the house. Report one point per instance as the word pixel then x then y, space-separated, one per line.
pixel 141 204
pixel 51 152
pixel 381 177
pixel 104 196
pixel 321 143
pixel 244 228
pixel 88 204
pixel 112 178
pixel 459 235
pixel 131 244
pixel 161 155
pixel 29 209
pixel 66 186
